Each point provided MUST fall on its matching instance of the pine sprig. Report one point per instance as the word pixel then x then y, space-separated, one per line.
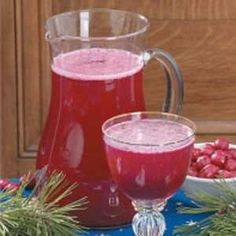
pixel 222 209
pixel 40 213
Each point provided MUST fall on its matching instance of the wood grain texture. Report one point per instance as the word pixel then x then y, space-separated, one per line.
pixel 45 10
pixel 33 73
pixel 161 9
pixel 200 34
pixel 206 53
pixel 1 78
pixel 8 153
pixel 30 76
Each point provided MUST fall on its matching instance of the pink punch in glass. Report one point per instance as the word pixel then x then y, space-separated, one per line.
pixel 148 154
pixel 98 56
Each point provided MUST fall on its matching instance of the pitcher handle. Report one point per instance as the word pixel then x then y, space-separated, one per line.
pixel 173 100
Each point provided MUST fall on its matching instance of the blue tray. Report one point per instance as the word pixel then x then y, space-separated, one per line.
pixel 172 218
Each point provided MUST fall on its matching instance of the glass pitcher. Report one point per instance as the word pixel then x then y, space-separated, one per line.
pixel 98 57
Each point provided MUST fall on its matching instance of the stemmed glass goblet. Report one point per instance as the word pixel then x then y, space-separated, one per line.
pixel 148 155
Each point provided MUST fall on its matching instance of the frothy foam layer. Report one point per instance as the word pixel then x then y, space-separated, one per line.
pixel 97 64
pixel 149 135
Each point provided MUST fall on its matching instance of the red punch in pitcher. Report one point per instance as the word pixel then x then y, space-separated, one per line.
pixel 98 57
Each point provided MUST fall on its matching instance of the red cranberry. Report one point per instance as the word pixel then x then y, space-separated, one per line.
pixel 4 183
pixel 218 158
pixel 208 151
pixel 194 165
pixel 230 165
pixel 225 174
pixel 192 171
pixel 233 152
pixel 209 171
pixel 222 143
pixel 12 187
pixel 210 145
pixel 196 152
pixel 228 154
pixel 203 161
pixel 233 173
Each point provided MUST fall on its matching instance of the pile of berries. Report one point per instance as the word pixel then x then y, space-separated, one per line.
pixel 214 160
pixel 7 184
pixel 11 186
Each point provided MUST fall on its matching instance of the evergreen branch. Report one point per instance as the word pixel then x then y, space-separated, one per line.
pixel 40 213
pixel 222 220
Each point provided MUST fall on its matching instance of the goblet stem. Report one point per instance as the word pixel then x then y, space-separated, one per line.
pixel 148 221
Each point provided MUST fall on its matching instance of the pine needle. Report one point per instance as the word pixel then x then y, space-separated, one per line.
pixel 40 213
pixel 222 209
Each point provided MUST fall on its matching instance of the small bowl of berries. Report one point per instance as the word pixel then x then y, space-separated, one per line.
pixel 210 163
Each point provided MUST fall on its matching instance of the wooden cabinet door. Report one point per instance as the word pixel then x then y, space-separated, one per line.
pixel 8 86
pixel 201 36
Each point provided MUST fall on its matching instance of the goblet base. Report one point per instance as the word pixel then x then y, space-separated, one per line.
pixel 148 221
